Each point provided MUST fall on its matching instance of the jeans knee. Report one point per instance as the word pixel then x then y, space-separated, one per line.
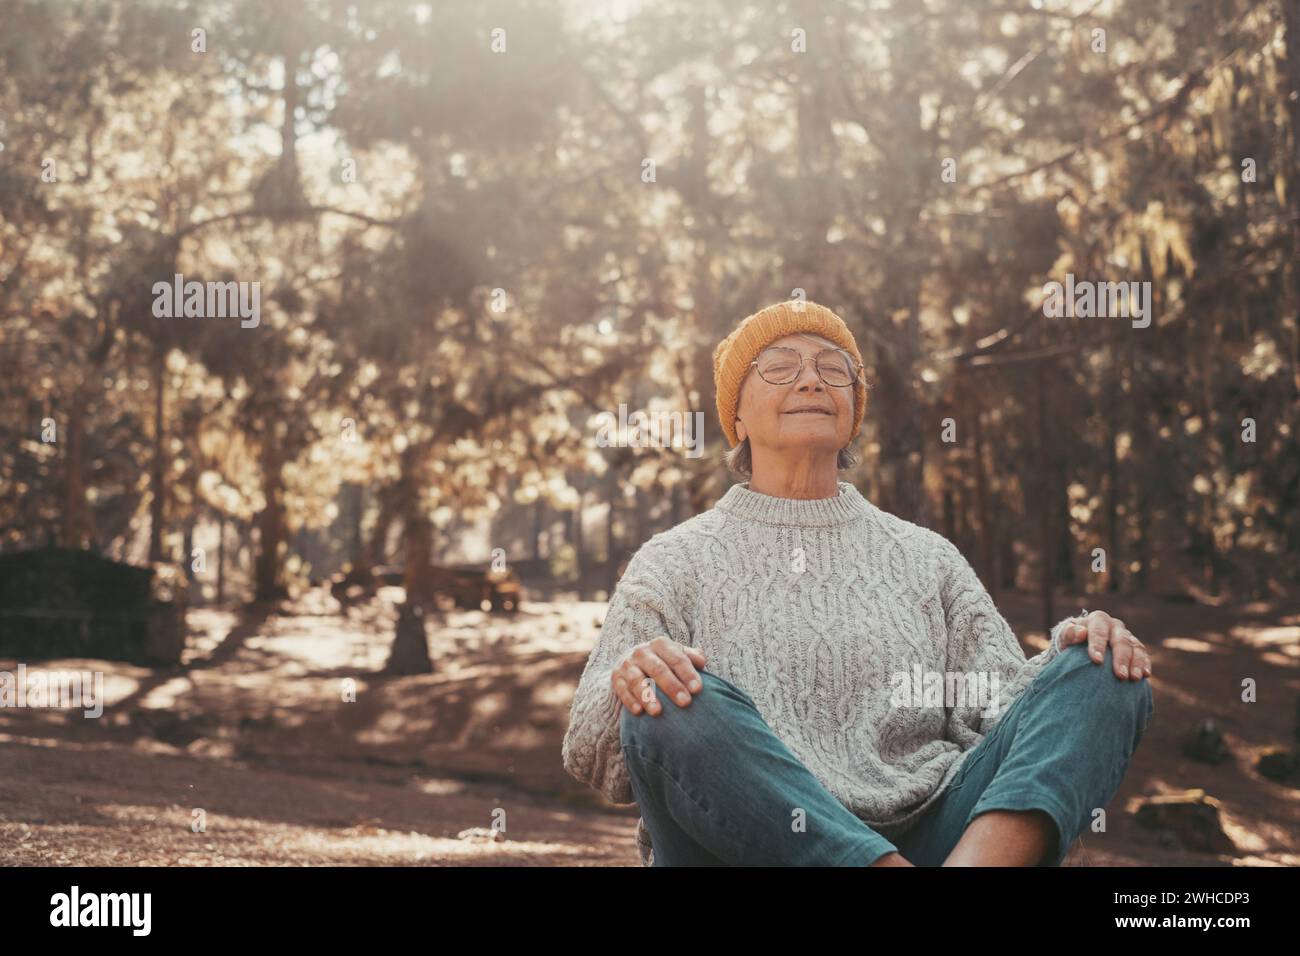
pixel 1149 696
pixel 1116 694
pixel 675 725
pixel 1098 685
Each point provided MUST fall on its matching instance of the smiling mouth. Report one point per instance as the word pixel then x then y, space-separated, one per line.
pixel 809 411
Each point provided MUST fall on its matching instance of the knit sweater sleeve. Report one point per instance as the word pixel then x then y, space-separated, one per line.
pixel 981 642
pixel 647 602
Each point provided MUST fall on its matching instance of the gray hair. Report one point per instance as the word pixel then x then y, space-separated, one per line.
pixel 740 459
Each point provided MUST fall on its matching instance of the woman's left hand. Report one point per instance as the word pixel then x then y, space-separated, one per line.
pixel 1099 629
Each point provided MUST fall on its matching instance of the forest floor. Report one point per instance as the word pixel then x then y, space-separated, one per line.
pixel 252 736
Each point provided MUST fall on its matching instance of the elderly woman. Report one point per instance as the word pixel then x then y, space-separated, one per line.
pixel 776 680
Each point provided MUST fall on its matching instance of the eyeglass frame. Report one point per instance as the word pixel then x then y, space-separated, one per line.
pixel 857 376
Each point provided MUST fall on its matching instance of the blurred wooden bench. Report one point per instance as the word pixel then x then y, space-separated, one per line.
pixel 468 586
pixel 479 587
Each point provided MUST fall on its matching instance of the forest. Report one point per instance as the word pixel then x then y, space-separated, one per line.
pixel 305 294
pixel 475 227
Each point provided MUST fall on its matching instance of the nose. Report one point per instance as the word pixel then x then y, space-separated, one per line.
pixel 808 376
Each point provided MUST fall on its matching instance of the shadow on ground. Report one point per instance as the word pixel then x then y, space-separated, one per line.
pixel 256 737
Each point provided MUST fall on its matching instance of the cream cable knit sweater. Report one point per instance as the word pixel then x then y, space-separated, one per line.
pixel 814 607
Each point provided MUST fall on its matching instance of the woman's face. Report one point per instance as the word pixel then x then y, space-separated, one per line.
pixel 806 414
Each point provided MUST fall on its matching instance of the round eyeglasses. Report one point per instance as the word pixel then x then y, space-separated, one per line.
pixel 781 366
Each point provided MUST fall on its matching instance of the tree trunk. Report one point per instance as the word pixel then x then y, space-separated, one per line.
pixel 611 554
pixel 191 521
pixel 1112 493
pixel 1043 466
pixel 417 540
pixel 1008 568
pixel 1291 267
pixel 1064 539
pixel 187 547
pixel 74 491
pixel 270 523
pixel 354 505
pixel 410 651
pixel 417 529
pixel 982 492
pixel 156 482
pixel 902 425
pixel 575 534
pixel 221 559
pixel 539 527
pixel 376 549
pixel 1142 546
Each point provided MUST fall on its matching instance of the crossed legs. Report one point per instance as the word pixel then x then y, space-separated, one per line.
pixel 717 787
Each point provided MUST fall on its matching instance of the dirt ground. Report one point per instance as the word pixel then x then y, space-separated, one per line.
pixel 253 739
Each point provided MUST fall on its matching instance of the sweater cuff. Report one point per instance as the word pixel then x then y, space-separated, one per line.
pixel 1057 631
pixel 610 706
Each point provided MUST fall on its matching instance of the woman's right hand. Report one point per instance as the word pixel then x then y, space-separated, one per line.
pixel 662 662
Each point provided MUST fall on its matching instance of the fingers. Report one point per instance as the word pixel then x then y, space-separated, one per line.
pixel 697 656
pixel 1074 633
pixel 630 685
pixel 656 664
pixel 1131 660
pixel 680 660
pixel 1121 645
pixel 1098 635
pixel 1140 666
pixel 646 693
pixel 664 663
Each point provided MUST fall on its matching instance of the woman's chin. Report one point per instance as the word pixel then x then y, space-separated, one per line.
pixel 806 439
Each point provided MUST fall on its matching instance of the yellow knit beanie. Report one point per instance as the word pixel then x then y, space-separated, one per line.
pixel 732 357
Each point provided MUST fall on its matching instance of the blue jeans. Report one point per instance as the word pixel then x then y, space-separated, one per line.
pixel 717 787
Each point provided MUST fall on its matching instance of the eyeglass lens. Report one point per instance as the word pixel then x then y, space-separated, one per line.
pixel 780 366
